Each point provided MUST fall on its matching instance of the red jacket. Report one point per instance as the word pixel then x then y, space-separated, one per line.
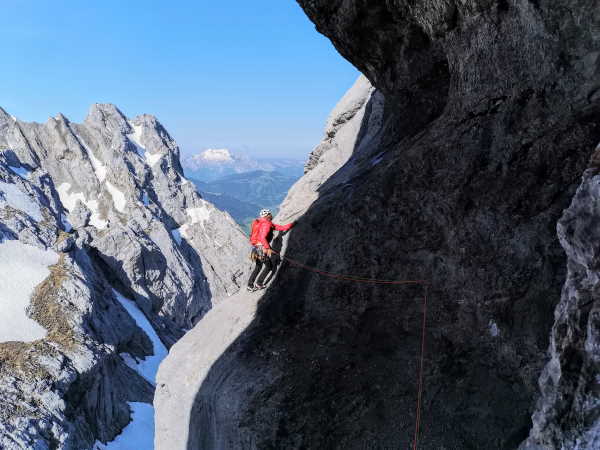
pixel 261 230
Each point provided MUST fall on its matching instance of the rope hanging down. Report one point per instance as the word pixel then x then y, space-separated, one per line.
pixel 389 282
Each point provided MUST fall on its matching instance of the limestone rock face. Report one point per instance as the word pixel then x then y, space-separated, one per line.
pixel 181 413
pixel 491 112
pixel 567 413
pixel 352 128
pixel 107 202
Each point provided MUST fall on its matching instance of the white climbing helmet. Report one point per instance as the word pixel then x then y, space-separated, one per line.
pixel 265 212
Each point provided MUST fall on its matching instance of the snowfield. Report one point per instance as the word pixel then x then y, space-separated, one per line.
pixel 69 200
pixel 99 167
pixel 197 215
pixel 21 171
pixel 22 268
pixel 119 199
pixel 17 199
pixel 136 138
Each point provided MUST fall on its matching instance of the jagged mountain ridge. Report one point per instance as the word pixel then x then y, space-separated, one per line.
pixel 491 112
pixel 108 200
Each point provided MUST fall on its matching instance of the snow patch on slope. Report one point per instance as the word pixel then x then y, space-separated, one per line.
pixel 22 268
pixel 153 158
pixel 176 233
pixel 99 167
pixel 21 171
pixel 69 200
pixel 136 138
pixel 139 434
pixel 197 215
pixel 119 199
pixel 14 197
pixel 148 366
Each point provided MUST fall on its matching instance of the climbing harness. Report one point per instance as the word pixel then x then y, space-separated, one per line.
pixel 257 253
pixel 356 279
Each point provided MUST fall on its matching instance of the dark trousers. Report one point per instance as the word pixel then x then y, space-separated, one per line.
pixel 268 266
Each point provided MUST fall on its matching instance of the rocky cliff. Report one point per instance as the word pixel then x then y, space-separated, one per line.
pixel 491 112
pixel 183 416
pixel 567 414
pixel 108 255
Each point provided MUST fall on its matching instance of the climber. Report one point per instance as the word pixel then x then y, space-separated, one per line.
pixel 260 238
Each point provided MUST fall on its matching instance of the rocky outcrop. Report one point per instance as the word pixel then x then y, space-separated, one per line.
pixel 491 112
pixel 567 415
pixel 106 205
pixel 352 128
pixel 182 416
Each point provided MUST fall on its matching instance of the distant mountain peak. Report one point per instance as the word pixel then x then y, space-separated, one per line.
pixel 215 163
pixel 220 155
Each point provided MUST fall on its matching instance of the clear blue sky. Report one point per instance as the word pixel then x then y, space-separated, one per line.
pixel 252 75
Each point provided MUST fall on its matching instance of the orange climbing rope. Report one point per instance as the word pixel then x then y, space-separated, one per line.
pixel 423 327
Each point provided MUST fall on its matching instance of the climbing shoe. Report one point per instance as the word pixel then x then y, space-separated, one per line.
pixel 251 289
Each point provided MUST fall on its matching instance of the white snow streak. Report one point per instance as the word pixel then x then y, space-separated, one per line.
pixel 139 434
pixel 69 200
pixel 136 138
pixel 176 233
pixel 66 224
pixel 11 195
pixel 99 167
pixel 153 158
pixel 22 268
pixel 119 199
pixel 21 171
pixel 198 214
pixel 148 366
